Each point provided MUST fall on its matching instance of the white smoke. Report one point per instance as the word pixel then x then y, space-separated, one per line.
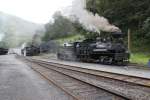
pixel 90 21
pixel 23 45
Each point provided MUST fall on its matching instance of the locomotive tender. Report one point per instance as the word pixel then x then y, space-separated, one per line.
pixel 106 51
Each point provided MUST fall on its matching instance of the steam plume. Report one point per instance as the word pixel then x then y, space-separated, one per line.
pixel 90 21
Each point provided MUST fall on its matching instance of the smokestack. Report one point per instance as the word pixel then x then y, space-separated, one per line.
pixel 90 21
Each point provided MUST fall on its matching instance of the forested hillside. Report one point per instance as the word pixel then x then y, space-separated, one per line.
pixel 126 14
pixel 15 31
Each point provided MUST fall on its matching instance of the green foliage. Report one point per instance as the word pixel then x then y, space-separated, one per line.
pixel 146 29
pixel 140 58
pixel 3 44
pixel 133 14
pixel 61 27
pixel 73 38
pixel 123 13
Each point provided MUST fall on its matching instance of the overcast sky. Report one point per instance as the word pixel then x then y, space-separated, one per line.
pixel 38 11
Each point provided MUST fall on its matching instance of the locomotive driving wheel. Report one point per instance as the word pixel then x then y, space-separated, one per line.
pixel 105 60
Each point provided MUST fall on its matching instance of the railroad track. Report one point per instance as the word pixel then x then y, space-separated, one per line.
pixel 128 87
pixel 127 78
pixel 77 89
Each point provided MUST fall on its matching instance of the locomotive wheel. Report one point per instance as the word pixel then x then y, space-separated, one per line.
pixel 121 63
pixel 101 59
pixel 105 60
pixel 110 60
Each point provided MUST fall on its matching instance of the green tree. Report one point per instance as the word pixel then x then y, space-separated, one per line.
pixel 133 14
pixel 123 13
pixel 61 27
pixel 146 30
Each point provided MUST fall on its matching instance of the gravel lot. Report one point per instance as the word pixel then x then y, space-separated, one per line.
pixel 20 82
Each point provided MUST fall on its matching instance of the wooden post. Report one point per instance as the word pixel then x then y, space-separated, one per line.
pixel 129 40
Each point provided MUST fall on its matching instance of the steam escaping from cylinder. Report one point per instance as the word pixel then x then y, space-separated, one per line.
pixel 89 21
pixel 23 45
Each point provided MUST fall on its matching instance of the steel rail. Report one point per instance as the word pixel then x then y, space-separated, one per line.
pixel 112 92
pixel 68 92
pixel 62 69
pixel 121 77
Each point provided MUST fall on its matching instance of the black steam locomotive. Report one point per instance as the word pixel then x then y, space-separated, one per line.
pixel 33 50
pixel 3 51
pixel 104 50
pixel 30 50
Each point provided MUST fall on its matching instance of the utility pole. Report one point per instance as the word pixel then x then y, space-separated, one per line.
pixel 129 40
